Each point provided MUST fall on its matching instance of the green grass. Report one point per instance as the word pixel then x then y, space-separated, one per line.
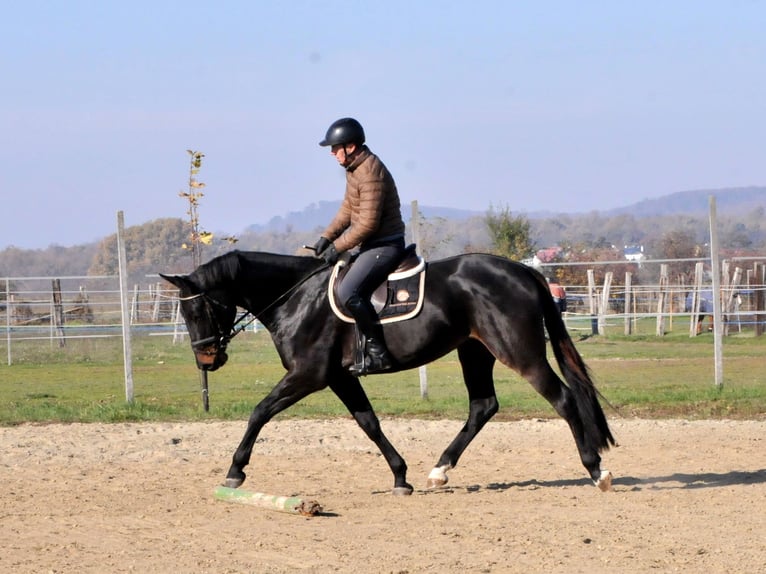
pixel 641 375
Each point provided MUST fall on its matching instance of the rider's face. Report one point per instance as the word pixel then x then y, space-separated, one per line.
pixel 342 152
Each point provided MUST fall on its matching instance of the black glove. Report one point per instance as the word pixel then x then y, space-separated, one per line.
pixel 330 255
pixel 321 245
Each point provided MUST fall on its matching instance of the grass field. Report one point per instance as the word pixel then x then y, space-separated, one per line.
pixel 641 375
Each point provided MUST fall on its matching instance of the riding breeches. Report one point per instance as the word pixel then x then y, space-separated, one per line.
pixel 367 272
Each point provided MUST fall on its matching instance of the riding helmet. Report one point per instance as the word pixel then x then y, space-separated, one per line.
pixel 344 131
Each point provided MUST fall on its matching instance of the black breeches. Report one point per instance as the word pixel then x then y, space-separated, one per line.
pixel 369 270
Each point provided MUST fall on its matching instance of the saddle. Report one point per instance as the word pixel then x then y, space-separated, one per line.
pixel 398 298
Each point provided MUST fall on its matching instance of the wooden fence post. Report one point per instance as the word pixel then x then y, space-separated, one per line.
pixel 604 305
pixel 134 311
pixel 57 315
pixel 415 226
pixel 628 297
pixel 661 299
pixel 759 299
pixel 155 296
pixel 730 298
pixel 127 345
pixel 178 335
pixel 695 310
pixel 8 317
pixel 592 301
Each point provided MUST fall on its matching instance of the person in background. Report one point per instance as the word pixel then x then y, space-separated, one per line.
pixel 369 218
pixel 705 307
pixel 558 293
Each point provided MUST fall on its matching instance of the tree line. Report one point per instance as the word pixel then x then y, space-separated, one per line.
pixel 157 246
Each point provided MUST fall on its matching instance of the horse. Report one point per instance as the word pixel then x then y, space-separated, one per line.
pixel 487 307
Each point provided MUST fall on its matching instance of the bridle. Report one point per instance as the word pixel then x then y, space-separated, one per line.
pixel 222 338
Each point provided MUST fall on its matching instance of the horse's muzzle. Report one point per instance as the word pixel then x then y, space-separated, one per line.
pixel 210 359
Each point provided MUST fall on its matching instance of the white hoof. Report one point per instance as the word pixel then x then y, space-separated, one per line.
pixel 437 478
pixel 604 482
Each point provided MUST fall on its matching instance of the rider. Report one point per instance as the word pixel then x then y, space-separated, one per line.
pixel 369 218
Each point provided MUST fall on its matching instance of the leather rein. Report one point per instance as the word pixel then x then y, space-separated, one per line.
pixel 222 338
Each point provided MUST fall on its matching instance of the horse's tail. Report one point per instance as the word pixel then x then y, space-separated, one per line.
pixel 577 376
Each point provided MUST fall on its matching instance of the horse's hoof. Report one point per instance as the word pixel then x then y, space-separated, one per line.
pixel 402 490
pixel 233 482
pixel 437 478
pixel 604 482
pixel 435 482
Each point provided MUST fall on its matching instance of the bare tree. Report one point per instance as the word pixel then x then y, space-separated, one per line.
pixel 193 195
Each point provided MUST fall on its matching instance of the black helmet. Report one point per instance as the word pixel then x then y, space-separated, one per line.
pixel 344 131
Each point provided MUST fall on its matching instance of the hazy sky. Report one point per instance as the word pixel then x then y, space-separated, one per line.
pixel 569 106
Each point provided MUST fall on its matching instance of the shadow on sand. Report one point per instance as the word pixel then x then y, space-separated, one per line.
pixel 679 480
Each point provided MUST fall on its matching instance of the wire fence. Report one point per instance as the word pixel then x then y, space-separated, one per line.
pixel 53 310
pixel 639 310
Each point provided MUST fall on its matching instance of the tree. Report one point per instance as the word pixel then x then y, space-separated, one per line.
pixel 150 248
pixel 680 245
pixel 612 260
pixel 193 195
pixel 510 235
pixel 431 234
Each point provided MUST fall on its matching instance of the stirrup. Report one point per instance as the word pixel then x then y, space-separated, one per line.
pixel 372 364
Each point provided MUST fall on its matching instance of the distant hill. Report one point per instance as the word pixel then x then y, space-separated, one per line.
pixel 728 201
pixel 740 210
pixel 317 215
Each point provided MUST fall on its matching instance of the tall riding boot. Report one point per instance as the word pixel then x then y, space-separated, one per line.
pixel 377 358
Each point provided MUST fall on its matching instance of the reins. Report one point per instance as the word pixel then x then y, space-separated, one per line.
pixel 236 328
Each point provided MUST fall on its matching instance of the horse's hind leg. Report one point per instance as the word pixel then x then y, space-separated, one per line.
pixel 477 363
pixel 549 385
pixel 351 393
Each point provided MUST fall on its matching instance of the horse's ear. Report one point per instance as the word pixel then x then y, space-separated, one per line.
pixel 177 280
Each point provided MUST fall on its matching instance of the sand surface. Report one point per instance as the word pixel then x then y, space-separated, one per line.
pixel 687 497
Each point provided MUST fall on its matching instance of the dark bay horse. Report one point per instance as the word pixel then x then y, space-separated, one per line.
pixel 487 307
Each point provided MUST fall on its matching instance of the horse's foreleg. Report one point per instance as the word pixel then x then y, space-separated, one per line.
pixel 477 363
pixel 287 392
pixel 351 393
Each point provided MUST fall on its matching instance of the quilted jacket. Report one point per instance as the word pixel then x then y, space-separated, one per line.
pixel 370 210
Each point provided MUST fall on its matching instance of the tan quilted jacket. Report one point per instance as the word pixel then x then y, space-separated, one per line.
pixel 370 208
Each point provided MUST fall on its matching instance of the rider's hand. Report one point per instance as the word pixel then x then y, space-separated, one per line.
pixel 321 245
pixel 330 255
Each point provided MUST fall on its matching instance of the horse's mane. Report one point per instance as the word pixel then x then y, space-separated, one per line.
pixel 221 269
pixel 229 266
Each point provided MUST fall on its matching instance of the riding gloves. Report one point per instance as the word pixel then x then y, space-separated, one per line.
pixel 322 244
pixel 330 255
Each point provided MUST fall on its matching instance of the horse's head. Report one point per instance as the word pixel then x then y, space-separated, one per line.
pixel 209 318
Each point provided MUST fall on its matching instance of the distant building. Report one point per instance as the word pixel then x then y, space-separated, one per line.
pixel 634 253
pixel 533 262
pixel 548 254
pixel 545 255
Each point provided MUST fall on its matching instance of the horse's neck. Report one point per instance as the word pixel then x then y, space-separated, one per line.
pixel 266 280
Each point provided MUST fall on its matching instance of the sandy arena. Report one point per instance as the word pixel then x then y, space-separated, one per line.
pixel 687 497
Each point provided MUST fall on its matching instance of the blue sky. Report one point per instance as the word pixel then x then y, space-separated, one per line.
pixel 569 106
